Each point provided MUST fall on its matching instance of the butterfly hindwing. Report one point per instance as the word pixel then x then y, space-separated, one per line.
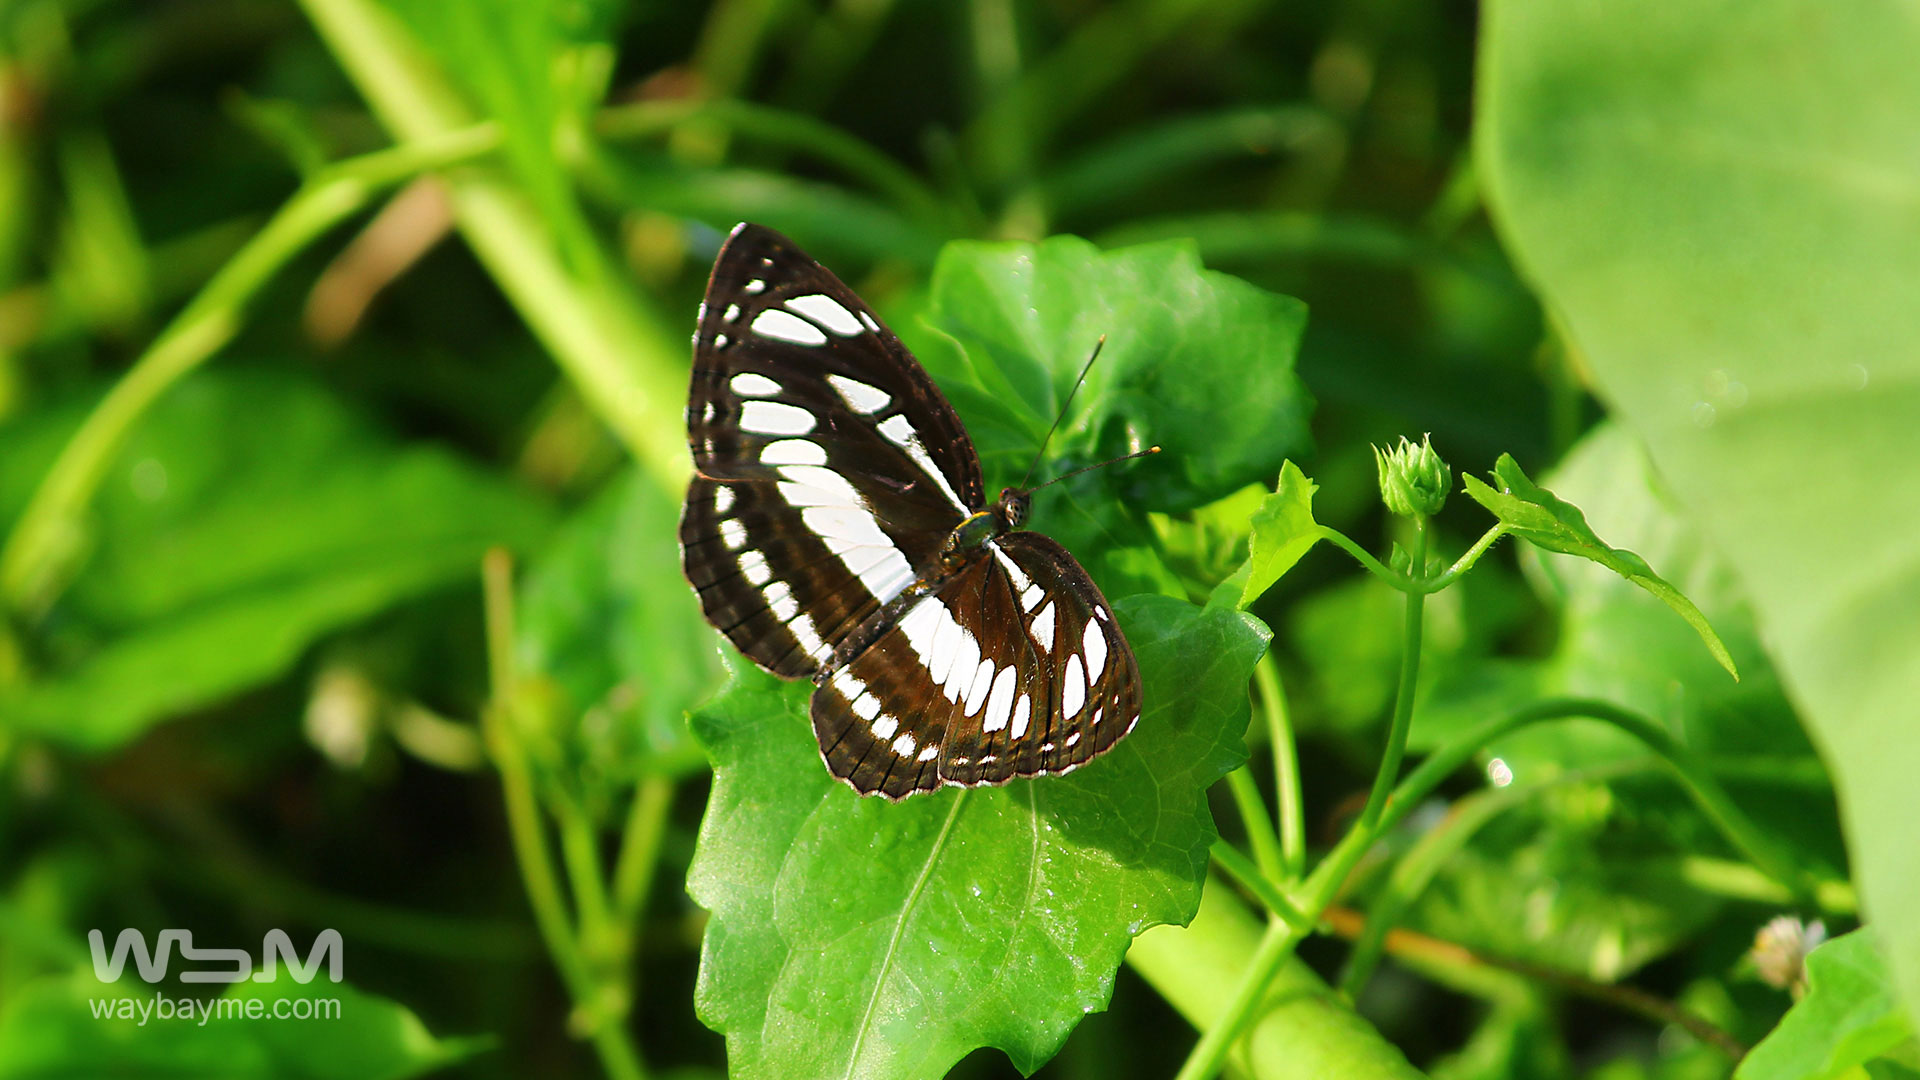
pixel 1013 666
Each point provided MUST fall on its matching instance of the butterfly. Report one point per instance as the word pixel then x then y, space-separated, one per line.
pixel 838 529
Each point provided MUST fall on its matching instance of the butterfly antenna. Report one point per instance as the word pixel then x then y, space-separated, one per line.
pixel 1062 415
pixel 1100 465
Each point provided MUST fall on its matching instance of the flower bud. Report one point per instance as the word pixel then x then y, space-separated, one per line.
pixel 1413 479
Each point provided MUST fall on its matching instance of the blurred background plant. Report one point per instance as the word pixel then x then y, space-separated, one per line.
pixel 305 309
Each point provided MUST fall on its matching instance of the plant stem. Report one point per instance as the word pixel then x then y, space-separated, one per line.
pixel 530 845
pixel 640 847
pixel 33 563
pixel 1286 767
pixel 1694 777
pixel 852 155
pixel 1276 945
pixel 1396 748
pixel 629 367
pixel 1466 561
pixel 1242 870
pixel 1303 1030
pixel 1352 925
pixel 1253 814
pixel 1371 564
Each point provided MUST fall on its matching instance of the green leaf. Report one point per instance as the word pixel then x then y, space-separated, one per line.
pixel 605 616
pixel 855 936
pixel 1716 202
pixel 1849 1016
pixel 1535 514
pixel 248 516
pixel 50 1030
pixel 1615 643
pixel 1197 362
pixel 1283 531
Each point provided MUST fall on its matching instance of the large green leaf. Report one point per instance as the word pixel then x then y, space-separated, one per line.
pixel 854 937
pixel 1716 200
pixel 1850 1016
pixel 1198 362
pixel 248 515
pixel 51 1030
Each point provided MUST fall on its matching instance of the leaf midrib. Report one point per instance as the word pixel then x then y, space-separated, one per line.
pixel 900 930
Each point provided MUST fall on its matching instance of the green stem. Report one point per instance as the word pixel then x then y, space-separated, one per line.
pixel 628 365
pixel 530 847
pixel 1694 776
pixel 640 847
pixel 1248 876
pixel 580 854
pixel 1275 947
pixel 1466 561
pixel 1303 1030
pixel 1253 814
pixel 1286 767
pixel 1371 564
pixel 46 536
pixel 852 155
pixel 1396 748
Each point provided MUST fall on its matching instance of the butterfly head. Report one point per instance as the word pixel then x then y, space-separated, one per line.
pixel 1012 507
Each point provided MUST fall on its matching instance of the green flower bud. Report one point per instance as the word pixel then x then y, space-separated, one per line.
pixel 1413 479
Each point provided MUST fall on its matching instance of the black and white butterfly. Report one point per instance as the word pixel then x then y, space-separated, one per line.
pixel 838 529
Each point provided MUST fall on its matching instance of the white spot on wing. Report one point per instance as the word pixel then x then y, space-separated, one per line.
pixel 786 326
pixel 732 312
pixel 722 499
pixel 793 452
pixel 920 624
pixel 775 418
pixel 965 661
pixel 826 311
pixel 1073 738
pixel 977 693
pixel 904 744
pixel 1000 701
pixel 866 706
pixel 899 431
pixel 816 485
pixel 720 341
pixel 859 396
pixel 868 319
pixel 1031 598
pixel 929 753
pixel 884 728
pixel 1095 642
pixel 754 287
pixel 1073 689
pixel 1021 582
pixel 809 637
pixel 754 566
pixel 1020 714
pixel 945 646
pixel 733 534
pixel 780 598
pixel 1042 628
pixel 753 384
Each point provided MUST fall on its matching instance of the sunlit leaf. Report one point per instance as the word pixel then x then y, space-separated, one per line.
pixel 1715 200
pixel 1537 515
pixel 1851 1015
pixel 851 936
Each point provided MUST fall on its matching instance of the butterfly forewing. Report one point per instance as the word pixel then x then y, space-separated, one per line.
pixel 1012 667
pixel 830 469
pixel 831 473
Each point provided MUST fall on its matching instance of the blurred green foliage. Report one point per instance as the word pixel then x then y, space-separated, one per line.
pixel 304 309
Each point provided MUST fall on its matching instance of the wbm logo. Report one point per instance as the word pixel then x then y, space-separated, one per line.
pixel 276 947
